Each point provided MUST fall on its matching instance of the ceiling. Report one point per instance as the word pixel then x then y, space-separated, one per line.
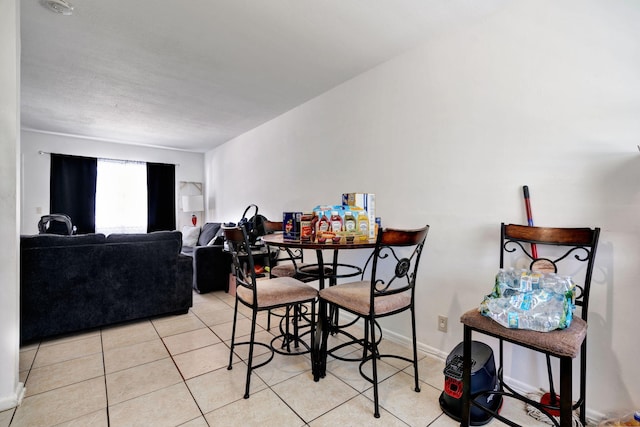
pixel 192 75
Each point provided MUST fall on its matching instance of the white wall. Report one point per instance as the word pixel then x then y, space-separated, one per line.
pixel 11 389
pixel 544 94
pixel 36 168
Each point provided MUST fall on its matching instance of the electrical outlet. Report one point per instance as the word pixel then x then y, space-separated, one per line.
pixel 442 323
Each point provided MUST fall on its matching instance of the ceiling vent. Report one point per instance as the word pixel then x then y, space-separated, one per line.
pixel 59 6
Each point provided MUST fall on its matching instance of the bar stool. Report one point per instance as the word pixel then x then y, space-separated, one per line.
pixel 573 248
pixel 262 295
pixel 287 263
pixel 388 289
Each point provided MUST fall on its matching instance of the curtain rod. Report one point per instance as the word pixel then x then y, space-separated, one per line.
pixel 41 152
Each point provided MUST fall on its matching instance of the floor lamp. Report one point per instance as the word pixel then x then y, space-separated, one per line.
pixel 193 204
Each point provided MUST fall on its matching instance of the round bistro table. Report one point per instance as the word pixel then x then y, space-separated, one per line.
pixel 338 271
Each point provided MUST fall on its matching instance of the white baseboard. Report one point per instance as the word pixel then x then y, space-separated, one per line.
pixel 401 339
pixel 406 341
pixel 14 399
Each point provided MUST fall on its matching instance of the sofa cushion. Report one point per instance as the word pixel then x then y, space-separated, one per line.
pixel 154 236
pixel 143 237
pixel 50 240
pixel 209 232
pixel 217 241
pixel 190 235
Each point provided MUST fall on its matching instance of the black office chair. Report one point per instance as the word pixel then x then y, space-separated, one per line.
pixel 387 287
pixel 56 224
pixel 261 295
pixel 573 248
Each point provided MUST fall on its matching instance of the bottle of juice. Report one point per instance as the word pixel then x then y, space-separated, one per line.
pixel 363 225
pixel 336 222
pixel 350 224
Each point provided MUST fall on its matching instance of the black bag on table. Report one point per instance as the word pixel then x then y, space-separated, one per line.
pixel 254 226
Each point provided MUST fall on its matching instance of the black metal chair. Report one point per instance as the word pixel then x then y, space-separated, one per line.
pixel 279 265
pixel 290 260
pixel 389 289
pixel 575 250
pixel 286 263
pixel 264 295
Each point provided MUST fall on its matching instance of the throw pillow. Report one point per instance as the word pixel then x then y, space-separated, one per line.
pixel 190 235
pixel 209 231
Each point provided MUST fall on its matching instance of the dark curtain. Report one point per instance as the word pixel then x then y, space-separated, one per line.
pixel 161 197
pixel 73 190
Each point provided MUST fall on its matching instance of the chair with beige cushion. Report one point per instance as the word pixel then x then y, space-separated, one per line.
pixel 290 260
pixel 287 263
pixel 575 250
pixel 262 295
pixel 387 287
pixel 278 266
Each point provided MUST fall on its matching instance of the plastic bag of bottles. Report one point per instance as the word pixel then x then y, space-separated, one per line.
pixel 525 299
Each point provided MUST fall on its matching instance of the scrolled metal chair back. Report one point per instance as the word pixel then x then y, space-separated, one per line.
pixel 393 265
pixel 564 246
pixel 240 249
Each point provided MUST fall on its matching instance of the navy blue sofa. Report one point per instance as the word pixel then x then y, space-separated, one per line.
pixel 211 262
pixel 73 283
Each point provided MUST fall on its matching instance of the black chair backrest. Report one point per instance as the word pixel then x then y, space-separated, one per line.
pixel 574 249
pixel 55 224
pixel 240 249
pixel 295 255
pixel 394 261
pixel 271 227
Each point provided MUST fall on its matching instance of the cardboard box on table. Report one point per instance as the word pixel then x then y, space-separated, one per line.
pixel 291 225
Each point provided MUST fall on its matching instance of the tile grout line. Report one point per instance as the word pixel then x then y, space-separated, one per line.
pixel 104 369
pixel 184 380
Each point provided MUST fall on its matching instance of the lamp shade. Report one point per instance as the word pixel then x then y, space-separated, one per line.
pixel 192 203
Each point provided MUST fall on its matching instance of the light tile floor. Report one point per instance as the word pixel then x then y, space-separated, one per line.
pixel 171 371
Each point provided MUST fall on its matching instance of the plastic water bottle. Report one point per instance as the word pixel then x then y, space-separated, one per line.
pixel 631 419
pixel 502 282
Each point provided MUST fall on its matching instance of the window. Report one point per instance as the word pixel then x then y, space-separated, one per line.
pixel 133 197
pixel 121 197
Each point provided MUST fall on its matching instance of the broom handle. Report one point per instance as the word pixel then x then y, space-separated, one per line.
pixel 527 204
pixel 534 253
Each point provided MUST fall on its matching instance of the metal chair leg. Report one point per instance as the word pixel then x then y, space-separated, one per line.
pixel 415 350
pixel 233 335
pixel 466 378
pixel 250 358
pixel 374 357
pixel 565 393
pixel 583 382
